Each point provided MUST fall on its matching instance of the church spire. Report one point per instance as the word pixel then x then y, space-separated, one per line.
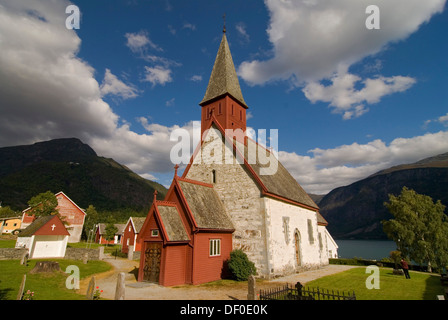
pixel 223 79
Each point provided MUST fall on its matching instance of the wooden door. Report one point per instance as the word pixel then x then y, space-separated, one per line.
pixel 153 253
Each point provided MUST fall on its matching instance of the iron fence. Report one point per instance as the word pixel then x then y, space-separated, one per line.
pixel 299 292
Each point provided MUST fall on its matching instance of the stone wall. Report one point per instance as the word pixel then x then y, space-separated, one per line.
pixel 239 194
pixel 12 253
pixel 79 253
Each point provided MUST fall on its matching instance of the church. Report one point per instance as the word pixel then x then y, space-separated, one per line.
pixel 233 194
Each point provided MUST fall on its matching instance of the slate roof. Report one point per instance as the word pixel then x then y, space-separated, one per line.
pixel 138 223
pixel 276 178
pixel 120 227
pixel 172 222
pixel 205 205
pixel 223 79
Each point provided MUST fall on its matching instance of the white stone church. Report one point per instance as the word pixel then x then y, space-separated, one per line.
pixel 276 223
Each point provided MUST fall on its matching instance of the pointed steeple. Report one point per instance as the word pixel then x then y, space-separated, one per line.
pixel 223 79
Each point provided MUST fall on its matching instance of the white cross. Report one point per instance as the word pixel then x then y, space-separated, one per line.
pixel 52 227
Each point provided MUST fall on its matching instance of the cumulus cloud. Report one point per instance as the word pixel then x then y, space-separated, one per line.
pixel 343 165
pixel 315 39
pixel 48 92
pixel 345 99
pixel 157 75
pixel 113 86
pixel 137 42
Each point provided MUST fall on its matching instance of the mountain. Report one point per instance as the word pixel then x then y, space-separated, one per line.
pixel 356 211
pixel 73 167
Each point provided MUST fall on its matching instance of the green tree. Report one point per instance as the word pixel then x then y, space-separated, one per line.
pixel 419 228
pixel 91 220
pixel 44 204
pixel 111 230
pixel 240 266
pixel 7 212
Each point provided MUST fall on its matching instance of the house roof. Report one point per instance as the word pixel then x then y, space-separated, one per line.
pixel 172 223
pixel 223 79
pixel 120 227
pixel 56 195
pixel 38 226
pixel 137 223
pixel 204 204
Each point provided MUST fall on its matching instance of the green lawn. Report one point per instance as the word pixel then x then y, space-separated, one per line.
pixel 49 286
pixel 421 286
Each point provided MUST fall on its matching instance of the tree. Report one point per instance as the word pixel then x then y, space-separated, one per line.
pixel 91 219
pixel 419 228
pixel 44 204
pixel 240 266
pixel 7 212
pixel 111 230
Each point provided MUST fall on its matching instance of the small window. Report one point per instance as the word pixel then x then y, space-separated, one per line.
pixel 232 110
pixel 219 108
pixel 310 231
pixel 241 115
pixel 215 247
pixel 213 176
pixel 129 229
pixel 154 233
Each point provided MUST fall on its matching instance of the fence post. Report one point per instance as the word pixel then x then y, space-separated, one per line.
pixel 22 288
pixel 119 291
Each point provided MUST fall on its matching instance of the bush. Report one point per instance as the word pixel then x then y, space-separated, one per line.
pixel 240 266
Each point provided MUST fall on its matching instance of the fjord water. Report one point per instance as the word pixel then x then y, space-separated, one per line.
pixel 366 249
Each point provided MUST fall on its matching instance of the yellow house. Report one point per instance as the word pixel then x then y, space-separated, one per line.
pixel 8 225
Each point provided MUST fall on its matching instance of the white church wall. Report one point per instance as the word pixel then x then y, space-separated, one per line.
pixel 285 220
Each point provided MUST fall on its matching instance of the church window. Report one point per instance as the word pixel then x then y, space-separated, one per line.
pixel 241 115
pixel 154 233
pixel 215 247
pixel 310 231
pixel 219 109
pixel 232 110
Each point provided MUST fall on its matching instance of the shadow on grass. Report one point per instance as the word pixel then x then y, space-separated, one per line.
pixel 433 288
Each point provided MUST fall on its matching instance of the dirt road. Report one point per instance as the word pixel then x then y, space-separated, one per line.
pixel 149 291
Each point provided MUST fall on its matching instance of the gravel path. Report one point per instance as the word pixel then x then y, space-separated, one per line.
pixel 149 291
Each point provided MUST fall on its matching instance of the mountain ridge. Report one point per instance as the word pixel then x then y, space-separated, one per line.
pixel 356 211
pixel 71 166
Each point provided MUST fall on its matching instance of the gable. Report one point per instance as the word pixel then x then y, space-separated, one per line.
pixel 172 224
pixel 261 164
pixel 46 225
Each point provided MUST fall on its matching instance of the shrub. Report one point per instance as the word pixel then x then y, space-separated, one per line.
pixel 240 266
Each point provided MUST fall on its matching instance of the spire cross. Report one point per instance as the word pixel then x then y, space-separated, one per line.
pixel 224 27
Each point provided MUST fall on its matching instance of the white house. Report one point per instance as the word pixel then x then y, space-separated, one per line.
pixel 46 237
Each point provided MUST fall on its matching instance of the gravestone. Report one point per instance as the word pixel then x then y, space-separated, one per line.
pixel 24 259
pixel 91 289
pixel 85 258
pixel 251 295
pixel 119 291
pixel 130 252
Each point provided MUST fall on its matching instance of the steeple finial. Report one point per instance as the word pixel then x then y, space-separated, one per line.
pixel 224 27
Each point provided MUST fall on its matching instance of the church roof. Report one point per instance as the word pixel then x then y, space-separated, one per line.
pixel 172 222
pixel 207 209
pixel 223 79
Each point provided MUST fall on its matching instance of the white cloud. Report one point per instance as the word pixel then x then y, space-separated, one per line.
pixel 196 78
pixel 157 75
pixel 318 39
pixel 345 99
pixel 190 26
pixel 241 28
pixel 138 42
pixel 112 85
pixel 343 165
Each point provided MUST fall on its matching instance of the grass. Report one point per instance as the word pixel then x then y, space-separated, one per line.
pixel 421 286
pixel 46 286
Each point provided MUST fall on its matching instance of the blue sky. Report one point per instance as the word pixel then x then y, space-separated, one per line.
pixel 347 101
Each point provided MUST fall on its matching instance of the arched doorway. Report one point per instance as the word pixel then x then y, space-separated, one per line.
pixel 298 252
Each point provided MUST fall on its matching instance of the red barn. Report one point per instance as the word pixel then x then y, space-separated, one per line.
pixel 69 211
pixel 187 238
pixel 130 232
